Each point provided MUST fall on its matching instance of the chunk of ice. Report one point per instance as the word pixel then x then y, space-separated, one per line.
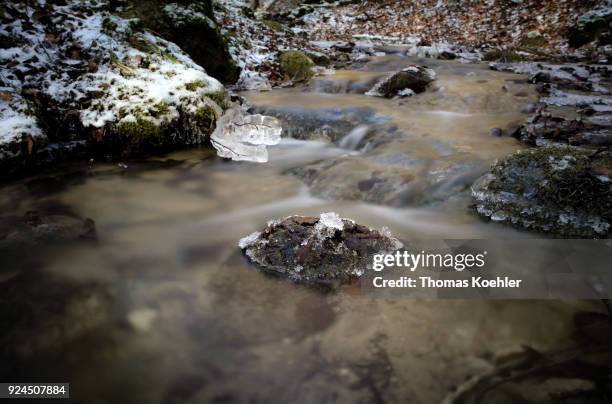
pixel 331 220
pixel 243 137
pixel 248 240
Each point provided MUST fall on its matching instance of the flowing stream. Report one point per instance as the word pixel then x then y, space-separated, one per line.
pixel 163 308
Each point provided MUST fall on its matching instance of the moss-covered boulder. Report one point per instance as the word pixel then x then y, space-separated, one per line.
pixel 563 191
pixel 590 26
pixel 191 25
pixel 97 80
pixel 296 66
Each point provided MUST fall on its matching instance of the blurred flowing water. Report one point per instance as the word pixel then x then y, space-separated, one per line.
pixel 163 308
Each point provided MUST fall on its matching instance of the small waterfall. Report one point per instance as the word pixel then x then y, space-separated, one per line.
pixel 354 137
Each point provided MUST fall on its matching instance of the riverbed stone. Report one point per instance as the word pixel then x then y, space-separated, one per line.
pixel 410 80
pixel 564 191
pixel 318 250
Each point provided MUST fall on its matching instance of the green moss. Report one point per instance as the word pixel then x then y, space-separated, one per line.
pixel 147 47
pixel 219 98
pixel 159 110
pixel 205 117
pixel 142 133
pixel 296 66
pixel 274 25
pixel 194 85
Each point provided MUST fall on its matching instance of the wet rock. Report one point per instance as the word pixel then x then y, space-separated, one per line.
pixel 244 137
pixel 319 58
pixel 296 66
pixel 564 191
pixel 590 26
pixel 191 25
pixel 497 132
pixel 562 76
pixel 446 55
pixel 343 46
pixel 412 79
pixel 566 126
pixel 321 249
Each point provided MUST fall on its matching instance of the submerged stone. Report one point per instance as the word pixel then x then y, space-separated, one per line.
pixel 560 190
pixel 39 228
pixel 322 249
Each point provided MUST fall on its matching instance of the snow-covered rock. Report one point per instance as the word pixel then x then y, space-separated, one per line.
pixel 82 73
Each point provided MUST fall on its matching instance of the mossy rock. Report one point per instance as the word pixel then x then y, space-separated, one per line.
pixel 192 28
pixel 297 66
pixel 564 191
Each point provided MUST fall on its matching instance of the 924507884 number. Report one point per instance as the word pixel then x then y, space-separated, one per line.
pixel 34 390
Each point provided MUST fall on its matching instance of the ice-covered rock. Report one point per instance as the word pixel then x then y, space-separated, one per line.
pixel 244 137
pixel 320 250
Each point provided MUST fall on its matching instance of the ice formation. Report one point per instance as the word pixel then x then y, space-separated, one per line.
pixel 243 137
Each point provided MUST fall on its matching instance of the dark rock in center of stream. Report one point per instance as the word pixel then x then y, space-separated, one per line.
pixel 408 81
pixel 319 250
